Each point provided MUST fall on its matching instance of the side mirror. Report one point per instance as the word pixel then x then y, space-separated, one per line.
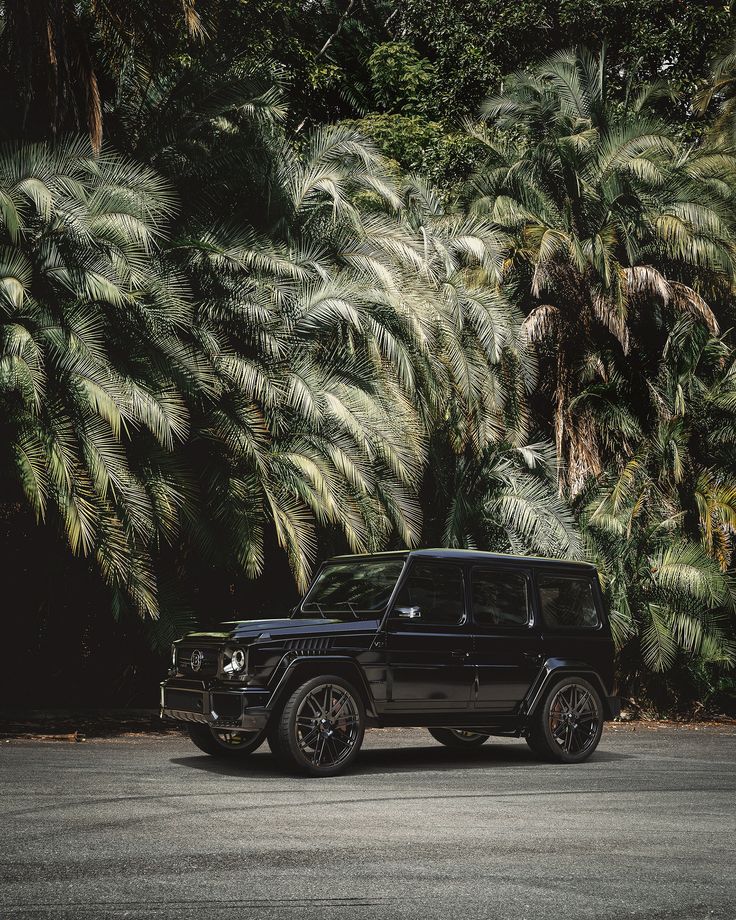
pixel 407 613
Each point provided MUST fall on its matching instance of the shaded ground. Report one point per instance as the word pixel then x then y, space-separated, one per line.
pixel 83 725
pixel 71 725
pixel 147 827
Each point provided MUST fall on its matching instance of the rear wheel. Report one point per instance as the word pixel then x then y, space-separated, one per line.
pixel 225 744
pixel 320 729
pixel 568 723
pixel 457 738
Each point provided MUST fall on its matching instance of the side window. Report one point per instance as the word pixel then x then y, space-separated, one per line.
pixel 500 598
pixel 437 589
pixel 568 602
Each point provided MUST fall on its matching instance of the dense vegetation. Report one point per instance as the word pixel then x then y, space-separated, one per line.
pixel 282 279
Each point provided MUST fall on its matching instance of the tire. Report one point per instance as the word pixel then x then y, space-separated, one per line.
pixel 225 745
pixel 457 738
pixel 567 725
pixel 304 737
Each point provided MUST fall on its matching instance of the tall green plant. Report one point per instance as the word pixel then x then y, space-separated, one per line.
pixel 662 524
pixel 346 325
pixel 93 363
pixel 609 222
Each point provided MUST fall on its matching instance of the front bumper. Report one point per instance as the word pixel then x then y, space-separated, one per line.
pixel 215 704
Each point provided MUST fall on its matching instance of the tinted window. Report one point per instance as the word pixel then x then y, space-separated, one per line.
pixel 567 602
pixel 353 588
pixel 500 598
pixel 437 589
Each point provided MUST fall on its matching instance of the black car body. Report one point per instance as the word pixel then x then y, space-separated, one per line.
pixel 466 642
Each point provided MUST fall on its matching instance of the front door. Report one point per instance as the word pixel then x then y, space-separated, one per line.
pixel 429 642
pixel 507 643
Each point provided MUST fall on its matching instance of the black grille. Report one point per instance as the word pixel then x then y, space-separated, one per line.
pixel 309 646
pixel 227 705
pixel 182 699
pixel 208 665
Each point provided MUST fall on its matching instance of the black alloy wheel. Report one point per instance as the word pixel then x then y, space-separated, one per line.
pixel 568 724
pixel 225 744
pixel 458 738
pixel 320 729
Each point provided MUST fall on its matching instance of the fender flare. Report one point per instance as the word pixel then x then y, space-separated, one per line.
pixel 313 663
pixel 552 669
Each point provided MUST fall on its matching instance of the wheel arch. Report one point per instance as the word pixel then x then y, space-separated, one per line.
pixel 552 670
pixel 305 668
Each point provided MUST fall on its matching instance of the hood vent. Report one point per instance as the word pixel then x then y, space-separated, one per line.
pixel 315 646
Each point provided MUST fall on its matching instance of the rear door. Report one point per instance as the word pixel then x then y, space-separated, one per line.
pixel 429 655
pixel 574 625
pixel 507 645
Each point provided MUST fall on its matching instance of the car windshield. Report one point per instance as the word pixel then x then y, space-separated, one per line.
pixel 360 589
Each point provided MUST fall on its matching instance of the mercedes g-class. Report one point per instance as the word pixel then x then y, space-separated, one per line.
pixel 467 644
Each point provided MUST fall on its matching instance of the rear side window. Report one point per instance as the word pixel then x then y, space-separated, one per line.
pixel 500 598
pixel 568 602
pixel 437 589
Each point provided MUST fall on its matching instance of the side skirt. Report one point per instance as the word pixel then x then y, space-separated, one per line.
pixel 511 726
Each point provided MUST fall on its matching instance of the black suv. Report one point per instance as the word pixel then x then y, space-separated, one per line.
pixel 467 644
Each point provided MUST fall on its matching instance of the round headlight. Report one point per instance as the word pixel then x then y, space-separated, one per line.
pixel 237 661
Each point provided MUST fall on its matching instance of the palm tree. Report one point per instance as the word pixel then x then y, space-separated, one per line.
pixel 610 225
pixel 349 328
pixel 676 439
pixel 669 598
pixel 58 56
pixel 720 88
pixel 311 427
pixel 504 499
pixel 662 523
pixel 241 380
pixel 94 359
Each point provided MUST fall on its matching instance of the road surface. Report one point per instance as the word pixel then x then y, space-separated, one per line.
pixel 148 827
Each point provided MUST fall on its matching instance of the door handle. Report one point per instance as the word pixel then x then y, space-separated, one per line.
pixel 531 656
pixel 458 654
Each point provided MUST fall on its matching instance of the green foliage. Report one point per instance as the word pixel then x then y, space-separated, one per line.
pixel 660 38
pixel 326 313
pixel 402 80
pixel 606 216
pixel 663 526
pixel 424 147
pixel 473 46
pixel 92 362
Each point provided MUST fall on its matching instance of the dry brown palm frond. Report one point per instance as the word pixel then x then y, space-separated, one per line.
pixel 540 323
pixel 614 317
pixel 645 279
pixel 689 301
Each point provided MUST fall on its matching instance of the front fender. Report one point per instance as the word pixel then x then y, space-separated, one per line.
pixel 304 667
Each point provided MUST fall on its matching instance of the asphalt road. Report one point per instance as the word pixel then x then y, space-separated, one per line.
pixel 150 828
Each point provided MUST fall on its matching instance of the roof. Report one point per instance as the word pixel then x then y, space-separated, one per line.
pixel 464 555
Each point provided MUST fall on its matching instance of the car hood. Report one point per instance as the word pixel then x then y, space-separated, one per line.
pixel 286 628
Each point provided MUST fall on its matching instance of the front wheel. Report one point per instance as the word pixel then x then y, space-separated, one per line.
pixel 225 744
pixel 568 723
pixel 320 729
pixel 458 739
